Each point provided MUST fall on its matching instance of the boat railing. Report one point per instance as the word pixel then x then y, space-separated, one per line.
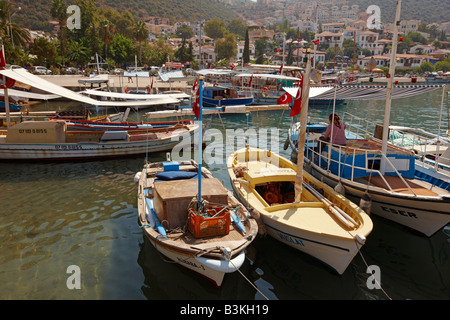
pixel 325 160
pixel 358 126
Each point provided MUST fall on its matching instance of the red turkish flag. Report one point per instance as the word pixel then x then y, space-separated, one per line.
pixel 250 82
pixel 316 42
pixel 2 59
pixel 298 101
pixel 196 105
pixel 284 99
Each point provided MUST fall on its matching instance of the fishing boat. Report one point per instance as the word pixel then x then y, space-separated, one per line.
pixel 50 140
pixel 382 176
pixel 208 244
pixel 186 213
pixel 296 208
pixel 323 224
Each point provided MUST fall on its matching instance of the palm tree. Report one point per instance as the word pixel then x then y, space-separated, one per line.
pixel 59 12
pixel 107 30
pixel 15 33
pixel 141 34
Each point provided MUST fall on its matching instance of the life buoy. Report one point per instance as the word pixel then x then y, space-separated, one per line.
pixel 270 197
pixel 265 89
pixel 127 90
pixel 350 79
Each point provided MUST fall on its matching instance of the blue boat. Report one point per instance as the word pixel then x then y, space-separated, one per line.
pixel 217 96
pixel 12 107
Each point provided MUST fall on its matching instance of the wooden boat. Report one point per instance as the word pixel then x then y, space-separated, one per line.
pixel 383 176
pixel 323 224
pixel 210 246
pixel 50 140
pixel 90 125
pixel 216 96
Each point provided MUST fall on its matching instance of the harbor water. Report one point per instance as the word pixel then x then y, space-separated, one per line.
pixel 60 217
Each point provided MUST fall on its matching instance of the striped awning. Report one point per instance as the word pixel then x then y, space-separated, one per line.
pixel 375 92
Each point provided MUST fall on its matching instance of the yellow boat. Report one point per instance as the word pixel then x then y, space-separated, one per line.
pixel 323 224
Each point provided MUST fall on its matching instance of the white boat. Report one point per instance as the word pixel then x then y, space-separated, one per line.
pixel 383 175
pixel 296 208
pixel 211 247
pixel 324 224
pixel 50 140
pixel 186 213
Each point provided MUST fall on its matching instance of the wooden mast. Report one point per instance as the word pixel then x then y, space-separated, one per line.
pixel 302 133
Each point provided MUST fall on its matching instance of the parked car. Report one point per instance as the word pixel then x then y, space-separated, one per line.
pixel 13 67
pixel 41 70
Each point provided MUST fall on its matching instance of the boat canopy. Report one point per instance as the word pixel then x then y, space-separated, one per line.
pixel 130 96
pixel 37 82
pixel 29 95
pixel 361 92
pixel 216 72
pixel 267 76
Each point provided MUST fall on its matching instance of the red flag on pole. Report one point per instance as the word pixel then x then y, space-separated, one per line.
pixel 284 99
pixel 195 85
pixel 250 82
pixel 2 59
pixel 316 42
pixel 281 68
pixel 196 105
pixel 232 66
pixel 298 101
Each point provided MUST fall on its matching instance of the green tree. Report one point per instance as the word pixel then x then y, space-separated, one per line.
pixel 122 49
pixel 426 67
pixel 443 65
pixel 45 51
pixel 215 28
pixel 107 30
pixel 184 31
pixel 141 34
pixel 246 53
pixel 184 54
pixel 78 53
pixel 15 33
pixel 226 47
pixel 58 11
pixel 237 27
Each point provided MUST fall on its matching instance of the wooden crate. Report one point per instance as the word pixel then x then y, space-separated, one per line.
pixel 216 225
pixel 171 198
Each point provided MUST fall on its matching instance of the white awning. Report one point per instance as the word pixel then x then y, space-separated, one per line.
pixel 267 76
pixel 37 82
pixel 135 96
pixel 313 91
pixel 28 95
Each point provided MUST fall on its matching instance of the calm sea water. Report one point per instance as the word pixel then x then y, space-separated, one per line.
pixel 84 214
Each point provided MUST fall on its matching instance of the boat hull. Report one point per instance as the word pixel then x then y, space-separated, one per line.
pixel 227 102
pixel 334 252
pixel 426 215
pixel 89 150
pixel 212 269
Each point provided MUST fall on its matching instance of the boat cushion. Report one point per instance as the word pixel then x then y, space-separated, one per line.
pixel 175 175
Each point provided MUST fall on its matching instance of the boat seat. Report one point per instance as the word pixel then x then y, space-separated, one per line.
pixel 255 177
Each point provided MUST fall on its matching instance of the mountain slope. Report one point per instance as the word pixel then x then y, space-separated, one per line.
pixel 35 14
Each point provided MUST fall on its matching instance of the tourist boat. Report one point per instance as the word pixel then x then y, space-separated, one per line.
pixel 216 96
pixel 186 213
pixel 296 208
pixel 210 246
pixel 383 176
pixel 323 224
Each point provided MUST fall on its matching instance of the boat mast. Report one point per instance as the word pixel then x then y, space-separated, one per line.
pixel 200 142
pixel 387 108
pixel 302 133
pixel 5 87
